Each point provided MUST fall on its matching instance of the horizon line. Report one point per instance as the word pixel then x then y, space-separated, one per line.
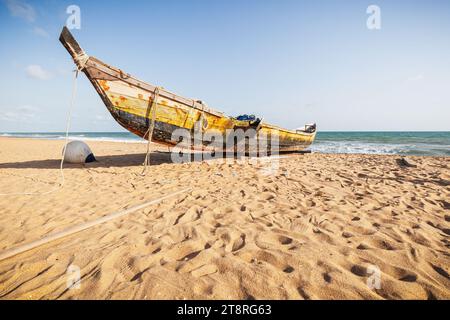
pixel 14 132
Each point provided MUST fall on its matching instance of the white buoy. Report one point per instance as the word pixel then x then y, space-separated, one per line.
pixel 78 152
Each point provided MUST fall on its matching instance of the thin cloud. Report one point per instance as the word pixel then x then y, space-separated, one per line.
pixel 35 71
pixel 21 10
pixel 40 32
pixel 415 78
pixel 26 113
pixel 29 109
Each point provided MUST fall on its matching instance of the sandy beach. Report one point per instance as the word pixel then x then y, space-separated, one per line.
pixel 315 228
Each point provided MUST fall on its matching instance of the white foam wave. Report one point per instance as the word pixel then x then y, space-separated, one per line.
pixel 362 148
pixel 50 136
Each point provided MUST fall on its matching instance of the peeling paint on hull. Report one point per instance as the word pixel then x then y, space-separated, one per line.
pixel 130 102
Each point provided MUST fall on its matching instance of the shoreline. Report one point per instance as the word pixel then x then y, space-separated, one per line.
pixel 158 146
pixel 308 226
pixel 76 138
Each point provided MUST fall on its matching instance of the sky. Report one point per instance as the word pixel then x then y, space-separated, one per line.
pixel 290 62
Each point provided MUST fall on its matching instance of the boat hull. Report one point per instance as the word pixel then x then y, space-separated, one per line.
pixel 132 108
pixel 135 104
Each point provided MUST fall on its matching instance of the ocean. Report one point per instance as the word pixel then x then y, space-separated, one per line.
pixel 402 143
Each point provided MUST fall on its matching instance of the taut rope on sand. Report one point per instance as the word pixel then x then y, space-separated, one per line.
pixel 69 231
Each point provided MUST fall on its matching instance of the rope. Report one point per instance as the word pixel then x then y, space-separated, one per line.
pixel 81 60
pixel 202 119
pixel 83 226
pixel 202 124
pixel 150 129
pixel 69 117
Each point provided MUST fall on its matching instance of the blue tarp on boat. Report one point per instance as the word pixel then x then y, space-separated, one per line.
pixel 246 117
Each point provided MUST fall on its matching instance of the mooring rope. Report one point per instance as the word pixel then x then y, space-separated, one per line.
pixel 69 117
pixel 83 226
pixel 150 129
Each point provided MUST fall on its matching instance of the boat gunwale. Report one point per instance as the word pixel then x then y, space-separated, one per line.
pixel 117 73
pixel 90 62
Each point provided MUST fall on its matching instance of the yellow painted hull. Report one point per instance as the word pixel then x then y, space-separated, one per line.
pixel 131 103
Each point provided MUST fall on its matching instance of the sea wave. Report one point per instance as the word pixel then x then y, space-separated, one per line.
pixel 378 148
pixel 107 139
pixel 402 143
pixel 87 137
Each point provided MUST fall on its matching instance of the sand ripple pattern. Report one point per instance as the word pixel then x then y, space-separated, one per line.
pixel 310 230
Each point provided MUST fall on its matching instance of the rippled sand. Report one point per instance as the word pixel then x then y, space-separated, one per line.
pixel 315 227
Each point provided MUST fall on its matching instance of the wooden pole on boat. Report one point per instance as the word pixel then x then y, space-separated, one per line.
pixel 69 231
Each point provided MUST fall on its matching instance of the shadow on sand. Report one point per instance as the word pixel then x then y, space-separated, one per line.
pixel 120 160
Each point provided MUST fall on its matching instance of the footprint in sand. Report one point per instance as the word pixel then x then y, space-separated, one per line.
pixel 233 240
pixel 439 227
pixel 270 240
pixel 285 240
pixel 413 254
pixel 362 246
pixel 326 277
pixel 444 204
pixel 156 250
pixel 409 278
pixel 288 269
pixel 183 252
pixel 207 245
pixel 381 244
pixel 303 294
pixel 204 270
pixel 269 258
pixel 192 214
pixel 310 203
pixel 239 243
pixel 347 235
pixel 441 271
pixel 138 276
pixel 190 256
pixel 404 275
pixel 358 270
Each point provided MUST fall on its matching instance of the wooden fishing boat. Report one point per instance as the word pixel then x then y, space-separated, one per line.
pixel 150 111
